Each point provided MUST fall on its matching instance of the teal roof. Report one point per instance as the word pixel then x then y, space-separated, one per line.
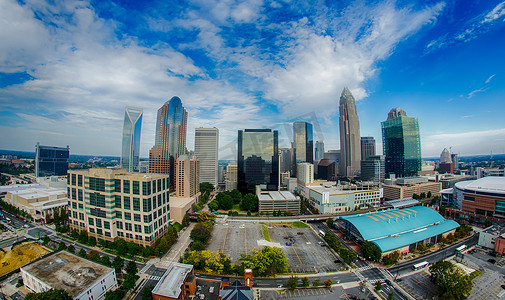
pixel 396 228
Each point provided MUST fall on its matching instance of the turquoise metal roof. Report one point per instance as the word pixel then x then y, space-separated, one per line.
pixel 395 228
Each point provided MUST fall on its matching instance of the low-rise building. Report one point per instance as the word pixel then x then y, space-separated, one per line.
pixel 488 236
pixel 284 201
pixel 177 283
pixel 407 187
pixel 80 278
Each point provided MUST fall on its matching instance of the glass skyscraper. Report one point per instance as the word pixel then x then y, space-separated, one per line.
pixel 350 148
pixel 319 150
pixel 402 144
pixel 51 161
pixel 258 159
pixel 130 152
pixel 303 144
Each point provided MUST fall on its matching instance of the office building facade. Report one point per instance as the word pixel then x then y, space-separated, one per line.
pixel 170 139
pixel 402 144
pixel 51 161
pixel 367 147
pixel 231 176
pixel 113 203
pixel 130 150
pixel 305 173
pixel 373 168
pixel 285 160
pixel 350 147
pixel 303 144
pixel 258 160
pixel 187 176
pixel 319 150
pixel 206 150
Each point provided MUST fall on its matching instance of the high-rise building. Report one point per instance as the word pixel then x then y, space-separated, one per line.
pixel 187 176
pixel 373 169
pixel 113 203
pixel 455 161
pixel 231 176
pixel 51 161
pixel 220 174
pixel 305 173
pixel 319 150
pixel 303 144
pixel 170 139
pixel 285 160
pixel 258 159
pixel 402 144
pixel 445 156
pixel 350 148
pixel 367 147
pixel 206 150
pixel 130 151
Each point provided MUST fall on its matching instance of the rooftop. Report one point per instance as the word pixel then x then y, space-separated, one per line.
pixel 66 271
pixel 171 282
pixel 399 203
pixel 339 191
pixel 276 195
pixel 400 227
pixel 494 230
pixel 490 184
pixel 39 192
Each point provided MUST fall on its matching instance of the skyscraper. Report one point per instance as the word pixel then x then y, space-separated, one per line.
pixel 303 144
pixel 258 159
pixel 372 168
pixel 206 150
pixel 350 149
pixel 285 160
pixel 231 176
pixel 319 150
pixel 187 176
pixel 130 151
pixel 170 139
pixel 402 144
pixel 51 161
pixel 367 147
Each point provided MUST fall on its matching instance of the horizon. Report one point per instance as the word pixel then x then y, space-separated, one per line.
pixel 241 65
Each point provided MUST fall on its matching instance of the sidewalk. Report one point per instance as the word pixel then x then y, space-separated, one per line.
pixel 176 250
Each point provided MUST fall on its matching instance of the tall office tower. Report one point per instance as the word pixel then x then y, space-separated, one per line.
pixel 445 156
pixel 373 169
pixel 112 203
pixel 130 152
pixel 51 161
pixel 350 149
pixel 319 150
pixel 305 173
pixel 187 176
pixel 231 176
pixel 285 160
pixel 303 144
pixel 258 160
pixel 367 147
pixel 455 161
pixel 170 139
pixel 220 174
pixel 206 148
pixel 401 143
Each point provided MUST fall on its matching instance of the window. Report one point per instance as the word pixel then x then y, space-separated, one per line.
pixel 128 226
pixel 154 202
pixel 79 180
pixel 148 218
pixel 81 216
pixel 97 184
pixel 136 204
pixel 159 185
pixel 73 180
pixel 117 201
pixel 146 188
pixel 136 187
pixel 74 205
pixel 98 223
pixel 119 233
pixel 91 221
pixel 97 199
pixel 127 216
pixel 136 218
pixel 138 228
pixel 148 229
pixel 117 185
pixel 126 186
pixel 126 203
pixel 81 195
pixel 138 237
pixel 154 186
pixel 99 231
pixel 92 230
pixel 159 200
pixel 146 205
pixel 468 198
pixel 74 194
pixel 119 215
pixel 119 225
pixel 107 234
pixel 164 187
pixel 106 224
pixel 81 207
pixel 98 212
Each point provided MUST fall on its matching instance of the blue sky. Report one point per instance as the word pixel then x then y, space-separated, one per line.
pixel 69 68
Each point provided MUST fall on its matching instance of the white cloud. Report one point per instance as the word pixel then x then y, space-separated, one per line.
pixel 465 143
pixel 489 79
pixel 496 13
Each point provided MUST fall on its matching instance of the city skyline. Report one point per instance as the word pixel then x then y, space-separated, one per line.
pixel 251 65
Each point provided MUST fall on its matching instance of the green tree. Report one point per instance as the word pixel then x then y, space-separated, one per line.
pixel 390 296
pixel 292 282
pixel 203 216
pixel 105 260
pixel 347 255
pixel 94 256
pixel 197 246
pixel 328 282
pixel 74 234
pixel 185 220
pixel 129 281
pixel 237 196
pixel 201 232
pixel 266 262
pixel 206 187
pixel 305 282
pixel 82 253
pixel 378 286
pixel 146 292
pixel 20 282
pixel 83 237
pixel 131 268
pixel 249 202
pixel 370 251
pixel 429 194
pixel 92 241
pixel 45 239
pixel 316 282
pixel 121 247
pixel 225 202
pixel 102 243
pixel 451 281
pixel 62 246
pixel 423 195
pixel 132 248
pixel 213 205
pixel 49 295
pixel 118 263
pixel 329 222
pixel 116 294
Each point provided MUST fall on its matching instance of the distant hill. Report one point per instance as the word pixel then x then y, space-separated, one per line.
pixel 73 157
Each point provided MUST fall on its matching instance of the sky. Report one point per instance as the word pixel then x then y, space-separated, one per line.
pixel 69 68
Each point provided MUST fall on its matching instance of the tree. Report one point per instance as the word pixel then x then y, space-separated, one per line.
pixel 378 286
pixel 49 295
pixel 83 237
pixel 118 263
pixel 328 282
pixel 62 246
pixel 370 251
pixel 82 253
pixel 197 246
pixel 48 219
pixel 429 194
pixel 266 262
pixel 305 282
pixel 329 222
pixel 94 256
pixel 213 205
pixel 129 281
pixel 206 187
pixel 451 281
pixel 116 294
pixel 390 296
pixel 131 268
pixel 74 234
pixel 416 196
pixel 45 239
pixel 20 282
pixel 146 292
pixel 201 232
pixel 347 255
pixel 237 196
pixel 423 195
pixel 292 282
pixel 185 220
pixel 203 216
pixel 132 248
pixel 121 247
pixel 105 260
pixel 316 282
pixel 249 202
pixel 92 241
pixel 225 201
pixel 102 243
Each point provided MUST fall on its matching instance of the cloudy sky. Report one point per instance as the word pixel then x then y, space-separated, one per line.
pixel 69 68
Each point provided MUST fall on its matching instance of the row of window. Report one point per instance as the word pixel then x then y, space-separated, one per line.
pixel 148 187
pixel 148 204
pixel 75 179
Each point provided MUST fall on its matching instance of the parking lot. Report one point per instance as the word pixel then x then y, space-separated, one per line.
pixel 419 285
pixel 306 251
pixel 336 292
pixel 235 238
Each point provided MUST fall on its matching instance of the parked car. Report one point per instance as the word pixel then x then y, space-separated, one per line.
pixel 288 244
pixel 299 232
pixel 491 260
pixel 503 286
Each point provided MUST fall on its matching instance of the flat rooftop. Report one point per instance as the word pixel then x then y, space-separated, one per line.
pixel 276 195
pixel 338 191
pixel 67 272
pixel 171 282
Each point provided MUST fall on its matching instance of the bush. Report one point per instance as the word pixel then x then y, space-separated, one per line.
pixel 305 282
pixel 20 282
pixel 328 282
pixel 316 282
pixel 293 282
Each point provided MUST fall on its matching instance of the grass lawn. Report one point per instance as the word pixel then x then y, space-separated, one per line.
pixel 236 207
pixel 299 224
pixel 266 236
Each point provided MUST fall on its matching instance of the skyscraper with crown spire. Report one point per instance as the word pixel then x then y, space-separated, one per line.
pixel 350 147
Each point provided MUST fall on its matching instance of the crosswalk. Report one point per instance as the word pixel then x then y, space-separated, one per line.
pixel 368 267
pixel 145 268
pixel 152 277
